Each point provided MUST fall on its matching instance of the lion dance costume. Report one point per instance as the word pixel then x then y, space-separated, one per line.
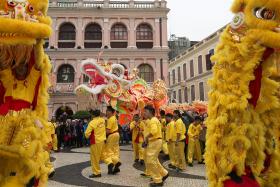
pixel 24 69
pixel 242 147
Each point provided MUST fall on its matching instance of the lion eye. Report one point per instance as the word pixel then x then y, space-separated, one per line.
pixel 30 8
pixel 11 3
pixel 264 13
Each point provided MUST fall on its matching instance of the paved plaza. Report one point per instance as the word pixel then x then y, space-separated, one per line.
pixel 73 169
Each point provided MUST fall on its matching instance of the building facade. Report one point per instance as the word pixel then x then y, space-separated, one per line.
pixel 189 72
pixel 131 33
pixel 177 45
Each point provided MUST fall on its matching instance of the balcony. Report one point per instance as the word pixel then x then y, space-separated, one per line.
pixel 107 4
pixel 61 88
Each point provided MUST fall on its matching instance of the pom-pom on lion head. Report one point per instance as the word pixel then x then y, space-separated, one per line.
pixel 261 19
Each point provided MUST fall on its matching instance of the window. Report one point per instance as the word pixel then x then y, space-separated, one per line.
pixel 67 36
pixel 185 71
pixel 85 78
pixel 208 60
pixel 200 70
pixel 169 78
pixel 144 36
pixel 46 44
pixel 180 96
pixel 191 69
pixel 179 74
pixel 193 93
pixel 93 36
pixel 173 76
pixel 201 91
pixel 174 95
pixel 146 72
pixel 65 74
pixel 119 36
pixel 186 95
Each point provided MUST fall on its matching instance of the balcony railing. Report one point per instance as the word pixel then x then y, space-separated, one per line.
pixel 108 4
pixel 62 88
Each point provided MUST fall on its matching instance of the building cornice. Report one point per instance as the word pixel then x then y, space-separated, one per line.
pixel 197 47
pixel 192 79
pixel 112 53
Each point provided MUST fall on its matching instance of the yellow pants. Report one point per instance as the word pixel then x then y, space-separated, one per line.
pixel 180 155
pixel 111 151
pixel 138 151
pixel 171 150
pixel 147 171
pixel 164 147
pixel 54 142
pixel 194 148
pixel 153 164
pixel 95 157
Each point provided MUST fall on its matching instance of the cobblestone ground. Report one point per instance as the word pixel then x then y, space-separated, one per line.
pixel 73 169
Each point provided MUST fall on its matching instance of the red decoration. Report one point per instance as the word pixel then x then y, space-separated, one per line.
pixel 255 85
pixel 92 138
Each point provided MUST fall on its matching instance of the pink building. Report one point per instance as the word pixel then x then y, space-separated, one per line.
pixel 132 33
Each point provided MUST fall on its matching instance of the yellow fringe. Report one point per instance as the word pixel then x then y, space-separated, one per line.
pixel 237 133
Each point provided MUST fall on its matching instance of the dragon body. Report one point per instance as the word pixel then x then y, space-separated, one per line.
pixel 126 93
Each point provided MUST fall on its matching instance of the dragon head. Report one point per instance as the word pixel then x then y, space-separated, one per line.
pixel 258 19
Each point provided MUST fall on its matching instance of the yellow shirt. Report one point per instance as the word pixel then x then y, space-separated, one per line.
pixel 180 128
pixel 194 131
pixel 145 132
pixel 163 124
pixel 112 124
pixel 97 125
pixel 154 128
pixel 20 89
pixel 169 133
pixel 137 131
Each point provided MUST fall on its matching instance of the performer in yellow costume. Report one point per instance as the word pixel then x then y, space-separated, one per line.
pixel 96 133
pixel 194 144
pixel 154 144
pixel 147 172
pixel 180 131
pixel 163 129
pixel 54 136
pixel 171 139
pixel 24 68
pixel 137 128
pixel 243 104
pixel 111 153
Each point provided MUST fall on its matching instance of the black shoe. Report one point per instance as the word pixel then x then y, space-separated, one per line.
pixel 51 174
pixel 237 179
pixel 117 168
pixel 201 162
pixel 190 164
pixel 178 170
pixel 136 160
pixel 94 176
pixel 171 166
pixel 110 169
pixel 141 162
pixel 165 177
pixel 144 175
pixel 156 184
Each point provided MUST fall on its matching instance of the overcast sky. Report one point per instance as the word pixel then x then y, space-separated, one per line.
pixel 197 19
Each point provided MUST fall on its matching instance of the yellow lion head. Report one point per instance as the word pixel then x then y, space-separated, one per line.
pixel 261 19
pixel 23 21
